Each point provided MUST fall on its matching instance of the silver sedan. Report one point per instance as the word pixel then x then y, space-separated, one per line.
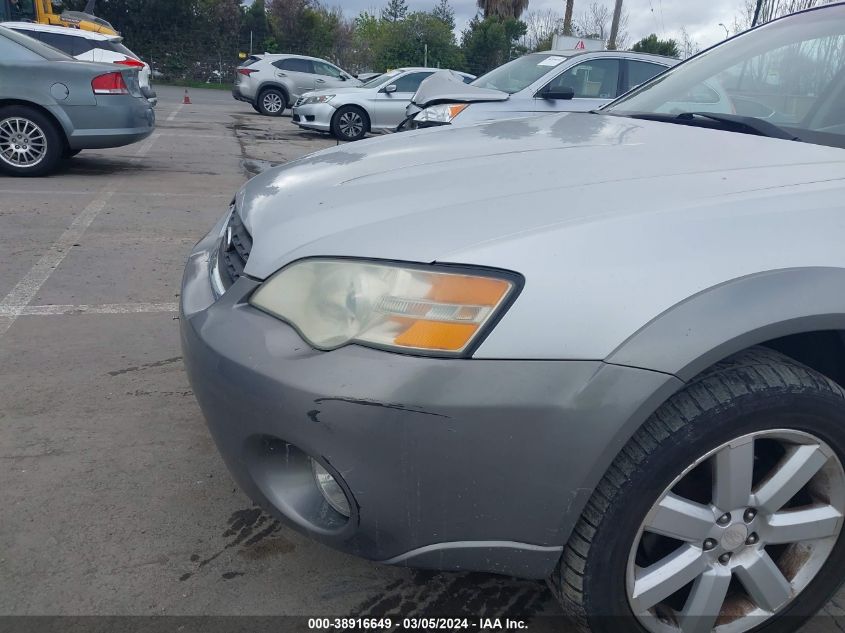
pixel 349 113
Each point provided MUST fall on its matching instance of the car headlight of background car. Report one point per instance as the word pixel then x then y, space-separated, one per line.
pixel 438 310
pixel 443 113
pixel 317 99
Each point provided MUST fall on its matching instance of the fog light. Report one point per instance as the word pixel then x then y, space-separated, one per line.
pixel 330 489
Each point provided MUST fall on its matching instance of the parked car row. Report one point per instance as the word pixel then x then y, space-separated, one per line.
pixel 325 98
pixel 52 105
pixel 605 346
pixel 378 106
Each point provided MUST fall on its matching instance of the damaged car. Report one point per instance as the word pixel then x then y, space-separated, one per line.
pixel 632 386
pixel 537 83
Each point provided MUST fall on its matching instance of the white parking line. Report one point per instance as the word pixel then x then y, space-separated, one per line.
pixel 25 290
pixel 173 114
pixel 14 303
pixel 105 308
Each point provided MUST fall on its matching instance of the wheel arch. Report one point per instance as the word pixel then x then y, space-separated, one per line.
pixel 62 124
pixel 368 120
pixel 799 312
pixel 272 84
pixel 769 308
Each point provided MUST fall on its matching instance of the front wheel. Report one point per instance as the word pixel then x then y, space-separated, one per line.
pixel 350 123
pixel 724 512
pixel 30 144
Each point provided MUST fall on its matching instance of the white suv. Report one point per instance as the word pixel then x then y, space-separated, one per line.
pixel 89 47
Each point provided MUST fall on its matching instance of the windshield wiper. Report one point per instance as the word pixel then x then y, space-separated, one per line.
pixel 760 127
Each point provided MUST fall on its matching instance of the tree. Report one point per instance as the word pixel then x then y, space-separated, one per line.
pixel 502 8
pixel 688 46
pixel 445 13
pixel 652 44
pixel 594 23
pixel 395 11
pixel 490 42
pixel 254 26
pixel 541 27
pixel 567 17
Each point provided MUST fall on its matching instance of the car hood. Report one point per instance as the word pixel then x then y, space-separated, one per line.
pixel 447 86
pixel 469 194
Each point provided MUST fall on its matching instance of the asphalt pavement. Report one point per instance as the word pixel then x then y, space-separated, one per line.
pixel 113 499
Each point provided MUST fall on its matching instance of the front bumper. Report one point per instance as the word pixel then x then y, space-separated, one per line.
pixel 315 116
pixel 451 464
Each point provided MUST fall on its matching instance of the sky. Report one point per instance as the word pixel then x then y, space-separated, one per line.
pixel 664 17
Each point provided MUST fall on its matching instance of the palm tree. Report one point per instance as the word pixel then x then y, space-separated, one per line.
pixel 502 8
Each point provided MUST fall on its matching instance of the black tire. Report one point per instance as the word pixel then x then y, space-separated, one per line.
pixel 272 102
pixel 753 391
pixel 256 108
pixel 350 123
pixel 52 148
pixel 70 153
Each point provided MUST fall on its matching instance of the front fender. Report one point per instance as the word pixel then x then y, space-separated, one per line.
pixel 715 323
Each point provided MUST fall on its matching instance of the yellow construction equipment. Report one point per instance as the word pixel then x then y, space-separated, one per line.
pixel 49 12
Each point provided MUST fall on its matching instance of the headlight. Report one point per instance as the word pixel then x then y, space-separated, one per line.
pixel 443 113
pixel 318 99
pixel 427 309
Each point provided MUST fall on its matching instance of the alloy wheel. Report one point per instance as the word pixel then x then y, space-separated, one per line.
pixel 738 535
pixel 351 124
pixel 22 142
pixel 272 103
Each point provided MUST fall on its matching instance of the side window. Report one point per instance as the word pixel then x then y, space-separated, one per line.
pixel 640 72
pixel 64 43
pixel 411 81
pixel 294 64
pixel 82 45
pixel 593 79
pixel 322 68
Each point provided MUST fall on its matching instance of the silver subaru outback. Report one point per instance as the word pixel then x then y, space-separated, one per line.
pixel 607 349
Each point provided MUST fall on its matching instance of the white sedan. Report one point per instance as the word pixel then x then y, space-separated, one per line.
pixel 377 106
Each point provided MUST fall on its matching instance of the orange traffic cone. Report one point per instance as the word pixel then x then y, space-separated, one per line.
pixel 187 99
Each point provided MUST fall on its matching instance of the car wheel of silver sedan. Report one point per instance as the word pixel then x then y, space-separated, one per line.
pixel 29 142
pixel 723 513
pixel 350 123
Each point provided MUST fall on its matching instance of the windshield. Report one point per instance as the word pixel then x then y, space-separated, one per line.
pixel 381 79
pixel 520 73
pixel 788 73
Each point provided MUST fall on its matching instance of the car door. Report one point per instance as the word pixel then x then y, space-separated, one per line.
pixel 329 76
pixel 390 105
pixel 296 74
pixel 594 82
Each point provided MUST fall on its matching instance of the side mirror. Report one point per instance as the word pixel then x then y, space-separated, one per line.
pixel 342 78
pixel 563 92
pixel 390 89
